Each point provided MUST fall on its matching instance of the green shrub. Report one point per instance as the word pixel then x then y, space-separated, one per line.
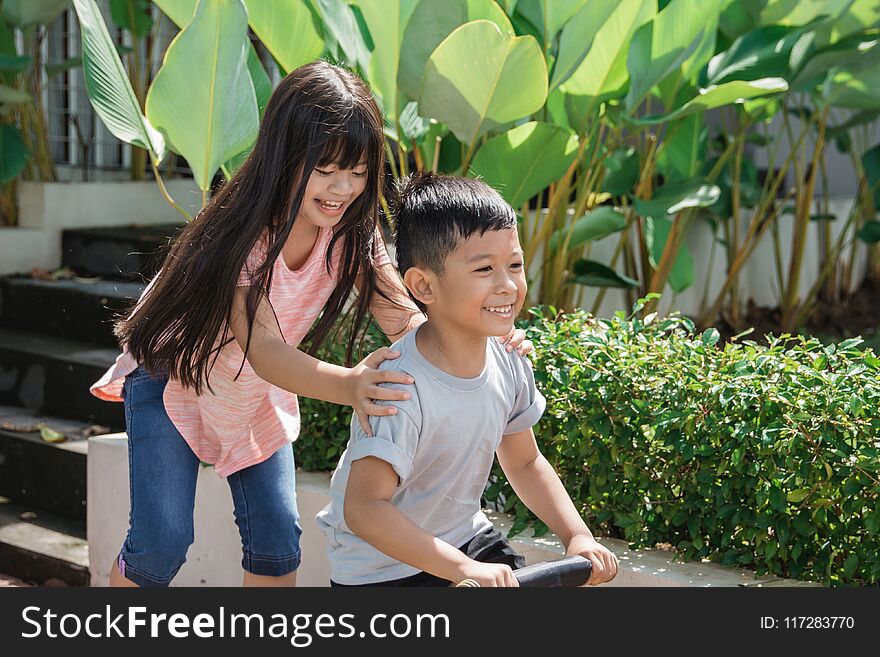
pixel 762 456
pixel 324 432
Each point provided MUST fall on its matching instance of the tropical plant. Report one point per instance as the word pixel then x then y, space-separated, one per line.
pixel 591 117
pixel 24 140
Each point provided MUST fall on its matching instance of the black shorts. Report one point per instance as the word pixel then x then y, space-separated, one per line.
pixel 488 546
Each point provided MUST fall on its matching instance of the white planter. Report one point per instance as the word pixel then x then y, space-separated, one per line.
pixel 46 209
pixel 215 557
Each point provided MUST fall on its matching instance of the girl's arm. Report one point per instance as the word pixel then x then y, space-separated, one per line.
pixel 369 513
pixel 538 486
pixel 293 370
pixel 399 315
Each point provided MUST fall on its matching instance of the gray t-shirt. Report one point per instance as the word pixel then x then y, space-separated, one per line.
pixel 441 443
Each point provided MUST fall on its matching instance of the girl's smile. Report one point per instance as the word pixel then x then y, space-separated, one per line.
pixel 329 193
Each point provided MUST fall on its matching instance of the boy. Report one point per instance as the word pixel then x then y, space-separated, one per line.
pixel 405 504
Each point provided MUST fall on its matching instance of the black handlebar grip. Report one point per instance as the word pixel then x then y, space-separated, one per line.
pixel 568 572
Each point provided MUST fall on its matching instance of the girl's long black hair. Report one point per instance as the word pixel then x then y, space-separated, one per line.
pixel 318 114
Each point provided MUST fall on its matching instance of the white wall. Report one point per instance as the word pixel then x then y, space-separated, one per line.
pixel 46 209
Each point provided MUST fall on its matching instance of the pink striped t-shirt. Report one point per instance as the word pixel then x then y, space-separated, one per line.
pixel 247 419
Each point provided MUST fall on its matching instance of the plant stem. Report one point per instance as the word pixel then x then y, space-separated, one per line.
pixel 167 196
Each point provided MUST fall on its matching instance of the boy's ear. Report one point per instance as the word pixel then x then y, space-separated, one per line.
pixel 420 284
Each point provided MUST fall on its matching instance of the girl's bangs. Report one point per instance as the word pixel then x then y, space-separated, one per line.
pixel 350 148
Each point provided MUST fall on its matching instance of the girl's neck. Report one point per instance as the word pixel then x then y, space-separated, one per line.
pixel 454 353
pixel 300 243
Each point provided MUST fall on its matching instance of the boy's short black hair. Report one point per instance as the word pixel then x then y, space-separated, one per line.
pixel 433 214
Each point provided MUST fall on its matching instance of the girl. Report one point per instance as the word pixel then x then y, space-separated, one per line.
pixel 210 367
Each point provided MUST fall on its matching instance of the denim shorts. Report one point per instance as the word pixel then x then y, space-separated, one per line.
pixel 163 471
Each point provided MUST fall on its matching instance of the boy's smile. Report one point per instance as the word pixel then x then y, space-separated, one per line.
pixel 483 285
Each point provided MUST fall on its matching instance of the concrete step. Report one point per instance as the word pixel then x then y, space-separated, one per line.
pixel 126 252
pixel 46 475
pixel 52 376
pixel 41 548
pixel 66 308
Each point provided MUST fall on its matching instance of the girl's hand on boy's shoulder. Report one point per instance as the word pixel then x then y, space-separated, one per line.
pixel 604 561
pixel 365 378
pixel 516 339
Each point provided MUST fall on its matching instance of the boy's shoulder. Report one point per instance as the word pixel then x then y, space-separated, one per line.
pixel 510 362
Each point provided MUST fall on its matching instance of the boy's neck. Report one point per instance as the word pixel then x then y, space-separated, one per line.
pixel 455 353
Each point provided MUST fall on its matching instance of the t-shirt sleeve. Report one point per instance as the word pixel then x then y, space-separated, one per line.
pixel 394 440
pixel 530 403
pixel 255 258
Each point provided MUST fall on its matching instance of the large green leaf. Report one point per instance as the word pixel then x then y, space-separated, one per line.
pixel 854 90
pixel 602 73
pixel 762 53
pixel 600 222
pixel 675 44
pixel 719 96
pixel 684 147
pixel 677 196
pixel 871 165
pixel 524 160
pixel 479 78
pixel 681 276
pixel 577 37
pixel 549 16
pixel 853 53
pixel 430 24
pixel 13 153
pixel 595 274
pixel 132 15
pixel 859 16
pixel 340 25
pixel 22 13
pixel 386 21
pixel 739 17
pixel 203 97
pixel 181 12
pixel 107 84
pixel 870 232
pixel 800 12
pixel 286 29
pixel 621 171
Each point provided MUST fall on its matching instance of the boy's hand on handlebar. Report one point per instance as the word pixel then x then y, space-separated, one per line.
pixel 604 560
pixel 365 388
pixel 489 574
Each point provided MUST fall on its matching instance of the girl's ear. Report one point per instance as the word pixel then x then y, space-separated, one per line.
pixel 420 283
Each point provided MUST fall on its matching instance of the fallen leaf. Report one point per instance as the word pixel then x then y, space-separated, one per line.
pixel 50 435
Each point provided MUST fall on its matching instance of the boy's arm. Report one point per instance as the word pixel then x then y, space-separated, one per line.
pixel 538 486
pixel 369 513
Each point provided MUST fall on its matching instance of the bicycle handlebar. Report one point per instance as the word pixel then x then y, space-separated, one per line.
pixel 569 572
pixel 566 572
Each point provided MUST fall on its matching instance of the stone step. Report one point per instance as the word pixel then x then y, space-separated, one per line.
pixel 50 476
pixel 42 548
pixel 66 308
pixel 117 252
pixel 52 376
